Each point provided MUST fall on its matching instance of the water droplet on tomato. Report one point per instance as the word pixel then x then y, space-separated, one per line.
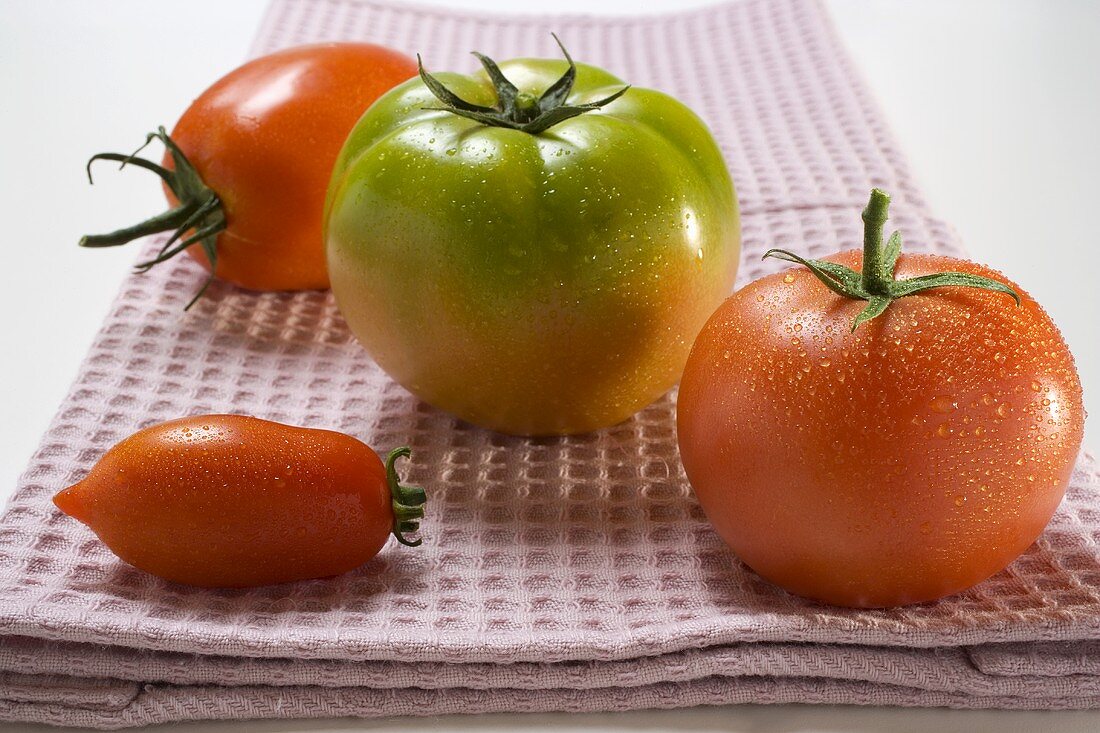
pixel 943 404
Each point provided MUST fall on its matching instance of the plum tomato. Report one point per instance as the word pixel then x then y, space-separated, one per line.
pixel 533 248
pixel 235 501
pixel 870 441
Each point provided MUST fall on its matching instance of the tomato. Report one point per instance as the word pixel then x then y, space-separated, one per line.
pixel 235 501
pixel 535 258
pixel 899 462
pixel 247 164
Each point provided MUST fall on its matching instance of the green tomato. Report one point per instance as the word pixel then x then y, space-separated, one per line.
pixel 535 259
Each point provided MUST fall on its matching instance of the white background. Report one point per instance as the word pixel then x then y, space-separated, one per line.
pixel 996 103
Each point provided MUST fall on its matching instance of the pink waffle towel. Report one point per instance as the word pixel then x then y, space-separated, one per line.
pixel 569 574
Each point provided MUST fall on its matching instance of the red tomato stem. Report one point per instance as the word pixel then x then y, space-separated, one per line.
pixel 408 501
pixel 875 282
pixel 199 209
pixel 876 276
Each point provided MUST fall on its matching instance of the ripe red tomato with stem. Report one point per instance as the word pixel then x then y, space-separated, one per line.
pixel 235 501
pixel 247 165
pixel 879 429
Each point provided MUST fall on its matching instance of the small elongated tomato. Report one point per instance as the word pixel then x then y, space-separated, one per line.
pixel 903 461
pixel 235 501
pixel 248 163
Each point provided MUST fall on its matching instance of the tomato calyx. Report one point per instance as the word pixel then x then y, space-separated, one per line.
pixel 199 211
pixel 515 109
pixel 408 501
pixel 876 283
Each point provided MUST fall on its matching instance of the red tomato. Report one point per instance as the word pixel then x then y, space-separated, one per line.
pixel 901 462
pixel 234 501
pixel 262 141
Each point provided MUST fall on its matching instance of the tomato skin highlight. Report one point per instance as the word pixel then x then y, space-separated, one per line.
pixel 531 283
pixel 898 464
pixel 235 501
pixel 265 137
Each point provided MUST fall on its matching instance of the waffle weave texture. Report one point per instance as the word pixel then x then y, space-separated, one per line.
pixel 573 574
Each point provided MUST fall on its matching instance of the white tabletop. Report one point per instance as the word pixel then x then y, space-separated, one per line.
pixel 995 101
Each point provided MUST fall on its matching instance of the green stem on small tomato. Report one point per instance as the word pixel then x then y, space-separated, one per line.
pixel 199 209
pixel 515 109
pixel 875 283
pixel 407 501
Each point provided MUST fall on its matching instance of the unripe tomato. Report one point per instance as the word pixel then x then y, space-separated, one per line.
pixel 234 501
pixel 904 461
pixel 542 265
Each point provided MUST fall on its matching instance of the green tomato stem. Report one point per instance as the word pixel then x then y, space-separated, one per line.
pixel 515 109
pixel 876 283
pixel 407 501
pixel 876 280
pixel 199 209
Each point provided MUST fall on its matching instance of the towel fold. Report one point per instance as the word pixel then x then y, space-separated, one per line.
pixel 571 574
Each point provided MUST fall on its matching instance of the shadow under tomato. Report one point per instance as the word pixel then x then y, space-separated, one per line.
pixel 1056 577
pixel 124 588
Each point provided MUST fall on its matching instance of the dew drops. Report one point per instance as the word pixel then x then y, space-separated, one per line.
pixel 1035 386
pixel 826 362
pixel 943 430
pixel 979 431
pixel 987 399
pixel 943 404
pixel 726 354
pixel 788 278
pixel 960 500
pixel 1002 409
